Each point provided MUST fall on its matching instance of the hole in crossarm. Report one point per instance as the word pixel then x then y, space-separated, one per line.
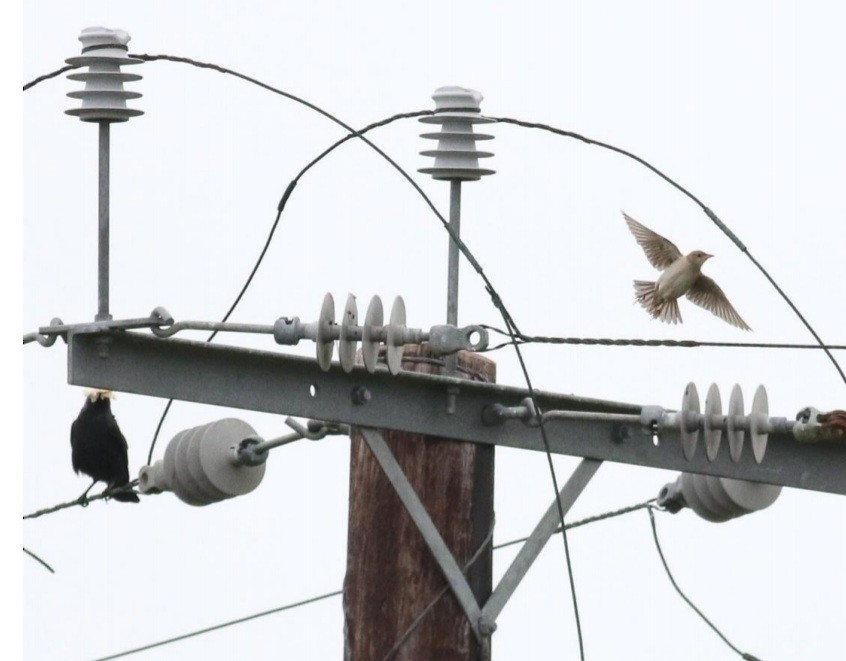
pixel 312 390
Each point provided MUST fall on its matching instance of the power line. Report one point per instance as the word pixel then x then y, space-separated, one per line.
pixel 591 519
pixel 37 559
pixel 688 344
pixel 48 76
pixel 714 218
pixel 223 625
pixel 743 655
pixel 83 502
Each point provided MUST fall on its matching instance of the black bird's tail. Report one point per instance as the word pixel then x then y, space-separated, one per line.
pixel 123 496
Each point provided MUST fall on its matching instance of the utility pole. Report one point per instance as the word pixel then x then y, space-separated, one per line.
pixel 424 430
pixel 391 573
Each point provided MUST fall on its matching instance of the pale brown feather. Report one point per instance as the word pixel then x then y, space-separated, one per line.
pixel 659 251
pixel 707 294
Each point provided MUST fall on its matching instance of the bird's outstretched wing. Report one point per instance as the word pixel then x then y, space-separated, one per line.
pixel 707 294
pixel 659 251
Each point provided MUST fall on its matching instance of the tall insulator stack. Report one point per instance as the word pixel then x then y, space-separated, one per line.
pixel 104 52
pixel 456 157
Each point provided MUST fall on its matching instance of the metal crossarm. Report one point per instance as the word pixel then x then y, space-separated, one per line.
pixel 292 385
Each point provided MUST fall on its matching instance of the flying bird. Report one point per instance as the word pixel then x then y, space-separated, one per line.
pixel 98 448
pixel 681 276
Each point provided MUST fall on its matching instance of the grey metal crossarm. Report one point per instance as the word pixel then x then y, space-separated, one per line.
pixel 292 385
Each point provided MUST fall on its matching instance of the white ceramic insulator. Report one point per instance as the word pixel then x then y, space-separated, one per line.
pixel 720 498
pixel 104 52
pixel 198 465
pixel 456 156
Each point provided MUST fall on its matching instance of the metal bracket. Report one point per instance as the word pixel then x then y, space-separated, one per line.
pixel 482 620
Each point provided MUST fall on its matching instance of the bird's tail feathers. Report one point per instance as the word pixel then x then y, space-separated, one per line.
pixel 123 496
pixel 646 293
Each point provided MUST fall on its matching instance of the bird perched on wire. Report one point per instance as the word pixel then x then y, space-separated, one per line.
pixel 681 276
pixel 98 448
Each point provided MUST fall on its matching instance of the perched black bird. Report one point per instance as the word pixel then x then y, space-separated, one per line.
pixel 98 447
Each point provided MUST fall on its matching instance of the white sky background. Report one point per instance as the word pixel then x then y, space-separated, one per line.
pixel 743 103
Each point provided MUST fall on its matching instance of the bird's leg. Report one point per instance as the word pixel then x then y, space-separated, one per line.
pixel 83 499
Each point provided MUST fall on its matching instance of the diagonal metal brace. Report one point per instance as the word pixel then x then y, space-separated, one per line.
pixel 443 556
pixel 538 539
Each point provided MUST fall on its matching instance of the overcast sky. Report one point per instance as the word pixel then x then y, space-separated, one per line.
pixel 743 103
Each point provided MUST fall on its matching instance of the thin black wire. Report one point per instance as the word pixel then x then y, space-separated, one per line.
pixel 716 220
pixel 512 331
pixel 586 521
pixel 744 655
pixel 222 626
pixel 609 342
pixel 48 76
pixel 36 558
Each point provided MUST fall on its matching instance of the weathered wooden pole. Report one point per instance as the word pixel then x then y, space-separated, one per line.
pixel 391 574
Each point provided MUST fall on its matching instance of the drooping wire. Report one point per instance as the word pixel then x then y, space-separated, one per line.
pixel 743 655
pixel 37 559
pixel 223 625
pixel 714 218
pixel 609 342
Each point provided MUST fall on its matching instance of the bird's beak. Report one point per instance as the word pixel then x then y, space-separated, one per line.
pixel 707 256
